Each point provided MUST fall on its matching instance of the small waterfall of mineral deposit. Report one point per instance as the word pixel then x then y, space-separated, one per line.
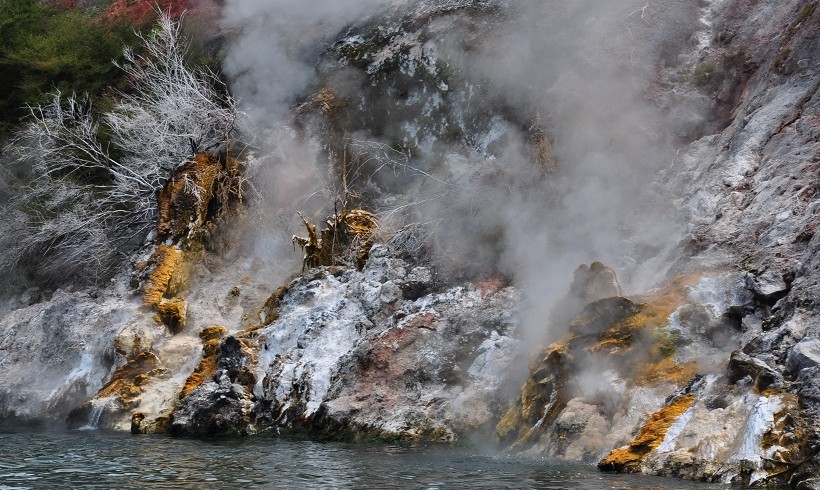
pixel 95 414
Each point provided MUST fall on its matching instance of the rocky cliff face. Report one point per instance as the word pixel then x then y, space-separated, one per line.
pixel 711 374
pixel 733 400
pixel 737 405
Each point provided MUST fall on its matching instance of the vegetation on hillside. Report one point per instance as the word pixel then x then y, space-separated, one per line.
pixel 81 181
pixel 45 49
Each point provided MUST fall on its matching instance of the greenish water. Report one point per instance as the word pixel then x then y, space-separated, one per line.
pixel 37 459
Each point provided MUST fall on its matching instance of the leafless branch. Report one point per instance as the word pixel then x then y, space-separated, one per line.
pixel 81 202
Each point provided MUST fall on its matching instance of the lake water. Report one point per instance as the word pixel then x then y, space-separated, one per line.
pixel 89 459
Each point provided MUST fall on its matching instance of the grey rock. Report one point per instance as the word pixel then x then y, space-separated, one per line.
pixel 805 354
pixel 808 385
pixel 742 365
pixel 234 359
pixel 215 408
pixel 594 282
pixel 769 285
pixel 599 315
pixel 56 354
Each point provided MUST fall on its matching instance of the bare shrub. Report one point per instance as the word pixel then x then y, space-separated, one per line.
pixel 85 184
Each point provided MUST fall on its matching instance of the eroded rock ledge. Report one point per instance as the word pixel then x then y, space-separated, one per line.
pixel 355 354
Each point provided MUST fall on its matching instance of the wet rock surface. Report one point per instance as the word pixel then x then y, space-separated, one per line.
pixel 54 355
pixel 750 194
pixel 219 407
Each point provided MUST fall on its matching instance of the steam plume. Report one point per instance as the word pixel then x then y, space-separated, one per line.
pixel 582 72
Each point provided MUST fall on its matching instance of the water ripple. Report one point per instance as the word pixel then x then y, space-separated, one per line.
pixel 99 460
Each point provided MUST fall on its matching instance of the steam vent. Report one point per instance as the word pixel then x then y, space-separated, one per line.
pixel 394 243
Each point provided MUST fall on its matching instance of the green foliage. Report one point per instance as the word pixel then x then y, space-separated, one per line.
pixel 806 12
pixel 667 340
pixel 707 74
pixel 204 49
pixel 44 49
pixel 73 55
pixel 780 60
pixel 16 17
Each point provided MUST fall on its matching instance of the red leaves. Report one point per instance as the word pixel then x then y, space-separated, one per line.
pixel 140 12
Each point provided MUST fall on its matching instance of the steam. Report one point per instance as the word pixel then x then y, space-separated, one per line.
pixel 273 57
pixel 587 67
pixel 270 63
pixel 581 72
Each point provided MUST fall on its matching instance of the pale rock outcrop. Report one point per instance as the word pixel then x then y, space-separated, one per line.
pixel 350 356
pixel 55 354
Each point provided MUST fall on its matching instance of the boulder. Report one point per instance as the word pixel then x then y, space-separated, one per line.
pixel 236 359
pixel 805 354
pixel 742 365
pixel 600 315
pixel 215 408
pixel 769 285
pixel 595 282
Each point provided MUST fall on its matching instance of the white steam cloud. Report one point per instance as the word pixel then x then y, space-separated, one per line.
pixel 585 71
pixel 270 62
pixel 273 57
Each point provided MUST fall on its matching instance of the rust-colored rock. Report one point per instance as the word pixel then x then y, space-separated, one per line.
pixel 666 370
pixel 141 425
pixel 127 381
pixel 163 277
pixel 542 398
pixel 183 201
pixel 186 220
pixel 327 101
pixel 628 459
pixel 211 338
pixel 787 440
pixel 270 310
pixel 346 238
pixel 541 146
pixel 216 332
pixel 172 313
pixel 616 332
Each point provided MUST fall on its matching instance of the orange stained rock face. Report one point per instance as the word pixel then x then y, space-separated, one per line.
pixel 663 302
pixel 172 313
pixel 787 441
pixel 211 338
pixel 509 427
pixel 270 310
pixel 655 311
pixel 653 364
pixel 666 371
pixel 161 280
pixel 183 201
pixel 492 284
pixel 164 281
pixel 542 151
pixel 614 332
pixel 327 101
pixel 126 382
pixel 542 398
pixel 629 458
pixel 215 332
pixel 348 235
pixel 160 424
